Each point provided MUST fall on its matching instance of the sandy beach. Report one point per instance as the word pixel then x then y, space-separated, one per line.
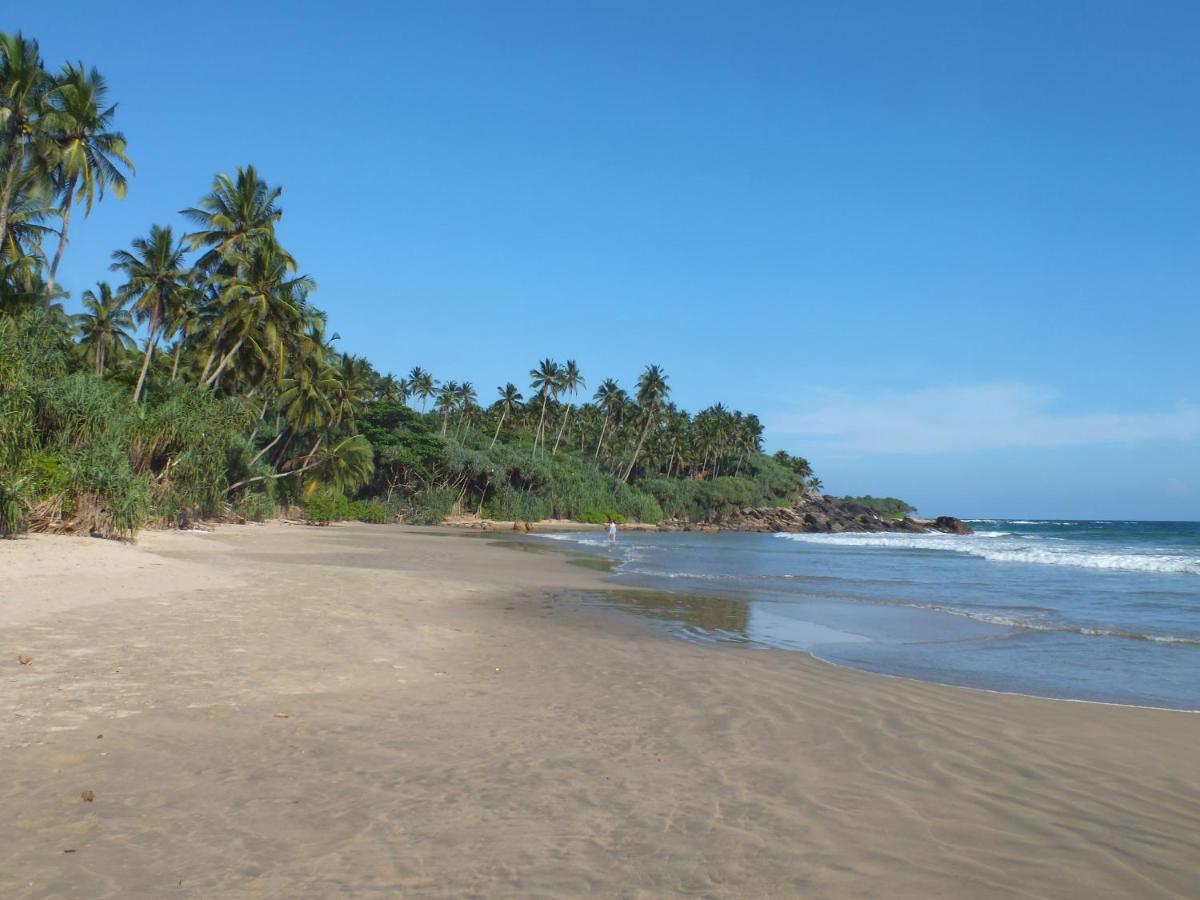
pixel 283 711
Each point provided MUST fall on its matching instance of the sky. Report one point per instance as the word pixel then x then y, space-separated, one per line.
pixel 947 251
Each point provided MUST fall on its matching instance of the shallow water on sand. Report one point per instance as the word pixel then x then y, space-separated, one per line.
pixel 1103 611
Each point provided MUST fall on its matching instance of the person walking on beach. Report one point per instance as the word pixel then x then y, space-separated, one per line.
pixel 612 531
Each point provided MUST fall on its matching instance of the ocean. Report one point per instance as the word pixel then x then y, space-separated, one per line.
pixel 1104 611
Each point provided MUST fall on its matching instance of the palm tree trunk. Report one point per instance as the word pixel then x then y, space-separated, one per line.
pixel 100 361
pixel 308 458
pixel 503 413
pixel 151 340
pixel 445 420
pixel 262 412
pixel 256 478
pixel 224 360
pixel 561 429
pixel 542 419
pixel 175 361
pixel 68 199
pixel 212 354
pixel 638 449
pixel 600 443
pixel 12 165
pixel 259 454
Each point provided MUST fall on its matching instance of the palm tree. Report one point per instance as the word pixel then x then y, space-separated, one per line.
pixel 261 305
pixel 304 394
pixel 421 384
pixel 86 155
pixel 610 398
pixel 21 253
pixel 571 382
pixel 465 399
pixel 545 380
pixel 652 391
pixel 23 88
pixel 105 326
pixel 447 399
pixel 304 397
pixel 353 387
pixel 390 389
pixel 676 433
pixel 510 399
pixel 234 216
pixel 156 282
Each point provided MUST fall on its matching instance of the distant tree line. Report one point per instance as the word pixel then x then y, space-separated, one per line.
pixel 201 380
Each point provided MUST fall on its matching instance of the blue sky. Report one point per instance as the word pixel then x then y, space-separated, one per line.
pixel 949 251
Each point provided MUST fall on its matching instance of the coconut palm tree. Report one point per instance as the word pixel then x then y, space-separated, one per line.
pixel 391 389
pixel 105 326
pixel 236 214
pixel 571 383
pixel 21 253
pixel 421 384
pixel 354 387
pixel 652 390
pixel 545 380
pixel 510 400
pixel 23 88
pixel 465 399
pixel 610 397
pixel 447 399
pixel 87 155
pixel 260 305
pixel 156 282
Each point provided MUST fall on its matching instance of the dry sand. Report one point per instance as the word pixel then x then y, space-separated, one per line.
pixel 453 729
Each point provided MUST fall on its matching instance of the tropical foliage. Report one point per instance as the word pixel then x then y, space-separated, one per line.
pixel 200 380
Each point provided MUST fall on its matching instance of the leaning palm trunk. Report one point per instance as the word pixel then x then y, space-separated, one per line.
pixel 561 429
pixel 638 449
pixel 224 362
pixel 503 413
pixel 68 200
pixel 541 421
pixel 151 340
pixel 260 453
pixel 600 443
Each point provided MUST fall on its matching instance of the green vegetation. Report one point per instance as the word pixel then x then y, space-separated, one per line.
pixel 888 507
pixel 201 383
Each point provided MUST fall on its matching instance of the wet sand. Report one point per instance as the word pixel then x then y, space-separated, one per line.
pixel 375 712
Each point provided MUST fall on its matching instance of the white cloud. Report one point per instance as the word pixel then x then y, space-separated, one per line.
pixel 958 419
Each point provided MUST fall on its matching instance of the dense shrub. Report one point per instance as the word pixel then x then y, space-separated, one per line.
pixel 373 512
pixel 256 507
pixel 324 506
pixel 430 506
pixel 12 514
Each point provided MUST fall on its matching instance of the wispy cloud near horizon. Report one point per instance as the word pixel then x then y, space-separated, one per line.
pixel 966 418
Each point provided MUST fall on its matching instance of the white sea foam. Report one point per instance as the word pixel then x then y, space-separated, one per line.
pixel 991 546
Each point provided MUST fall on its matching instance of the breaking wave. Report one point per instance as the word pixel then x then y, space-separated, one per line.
pixel 1004 548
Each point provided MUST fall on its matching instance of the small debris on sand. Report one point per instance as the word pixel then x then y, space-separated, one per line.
pixel 88 795
pixel 24 660
pixel 281 715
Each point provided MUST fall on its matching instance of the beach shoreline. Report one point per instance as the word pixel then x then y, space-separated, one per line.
pixel 372 709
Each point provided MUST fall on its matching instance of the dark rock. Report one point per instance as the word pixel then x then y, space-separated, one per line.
pixel 817 514
pixel 951 525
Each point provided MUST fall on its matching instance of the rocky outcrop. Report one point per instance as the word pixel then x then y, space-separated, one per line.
pixel 819 514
